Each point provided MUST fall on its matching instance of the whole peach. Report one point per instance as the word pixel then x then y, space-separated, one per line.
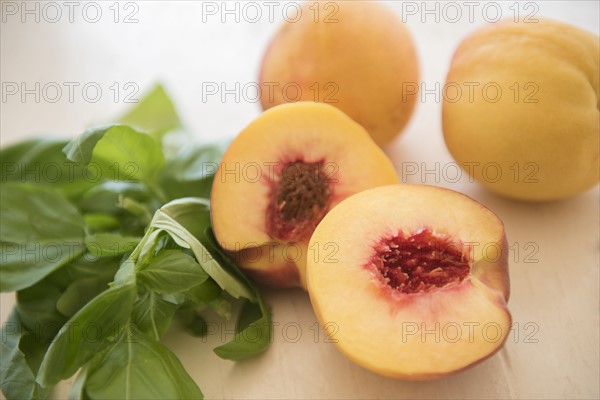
pixel 522 110
pixel 355 55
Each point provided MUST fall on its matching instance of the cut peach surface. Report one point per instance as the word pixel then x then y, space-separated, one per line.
pixel 280 176
pixel 418 285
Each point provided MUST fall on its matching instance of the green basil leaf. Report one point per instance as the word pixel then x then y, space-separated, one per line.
pixel 107 244
pixel 87 332
pixel 171 271
pixel 152 314
pixel 32 213
pixel 254 322
pixel 204 293
pixel 191 214
pixel 221 307
pixel 40 231
pixel 194 162
pixel 126 273
pixel 20 352
pixel 210 294
pixel 127 155
pixel 135 208
pixel 81 148
pixel 36 306
pixel 84 267
pixel 194 324
pixel 41 162
pixel 190 172
pixel 14 153
pixel 23 265
pixel 34 346
pixel 154 240
pixel 80 292
pixel 182 219
pixel 105 196
pixel 120 154
pixel 254 333
pixel 154 114
pixel 101 222
pixel 139 367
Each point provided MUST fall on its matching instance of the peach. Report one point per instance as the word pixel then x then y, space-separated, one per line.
pixel 418 286
pixel 536 124
pixel 355 55
pixel 280 176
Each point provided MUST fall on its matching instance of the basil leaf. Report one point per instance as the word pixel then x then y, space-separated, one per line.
pixel 36 307
pixel 81 148
pixel 60 257
pixel 179 215
pixel 210 294
pixel 24 265
pixel 86 333
pixel 221 307
pixel 191 214
pixel 254 322
pixel 101 222
pixel 105 196
pixel 190 172
pixel 19 352
pixel 40 231
pixel 171 271
pixel 127 155
pixel 152 314
pixel 154 114
pixel 193 323
pixel 32 213
pixel 138 210
pixel 41 162
pixel 80 292
pixel 136 368
pixel 193 163
pixel 204 293
pixel 86 266
pixel 120 153
pixel 254 333
pixel 14 153
pixel 107 244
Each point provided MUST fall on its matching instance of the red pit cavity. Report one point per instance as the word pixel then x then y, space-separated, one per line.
pixel 420 262
pixel 300 196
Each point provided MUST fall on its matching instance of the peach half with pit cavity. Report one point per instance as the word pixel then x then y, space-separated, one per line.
pixel 279 178
pixel 416 289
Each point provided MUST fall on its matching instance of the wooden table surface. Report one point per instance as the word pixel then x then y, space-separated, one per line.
pixel 553 349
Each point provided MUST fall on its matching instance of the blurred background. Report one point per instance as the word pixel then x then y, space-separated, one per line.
pixel 193 46
pixel 68 65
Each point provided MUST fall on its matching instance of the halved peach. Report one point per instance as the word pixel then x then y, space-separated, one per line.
pixel 418 286
pixel 280 176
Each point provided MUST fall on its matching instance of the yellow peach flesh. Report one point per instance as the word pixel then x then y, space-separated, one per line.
pixel 386 331
pixel 311 132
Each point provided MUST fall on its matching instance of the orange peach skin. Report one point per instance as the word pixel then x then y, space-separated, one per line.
pixel 358 57
pixel 543 132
